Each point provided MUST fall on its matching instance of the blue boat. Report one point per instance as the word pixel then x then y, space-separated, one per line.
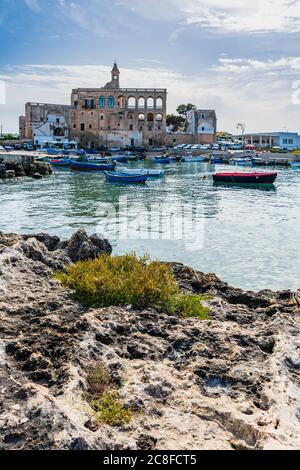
pixel 242 162
pixel 295 164
pixel 162 160
pixel 86 166
pixel 120 159
pixel 116 177
pixel 193 159
pixel 138 171
pixel 60 162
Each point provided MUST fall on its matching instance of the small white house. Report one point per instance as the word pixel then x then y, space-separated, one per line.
pixel 53 133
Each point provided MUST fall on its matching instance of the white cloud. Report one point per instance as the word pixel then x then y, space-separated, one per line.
pixel 227 16
pixel 33 5
pixel 284 65
pixel 262 100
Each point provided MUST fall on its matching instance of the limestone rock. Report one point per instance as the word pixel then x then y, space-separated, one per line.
pixel 232 382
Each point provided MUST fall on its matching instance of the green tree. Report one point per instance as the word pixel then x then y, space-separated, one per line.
pixel 177 122
pixel 183 109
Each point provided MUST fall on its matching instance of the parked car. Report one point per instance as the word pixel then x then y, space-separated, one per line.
pixel 160 149
pixel 18 147
pixel 115 149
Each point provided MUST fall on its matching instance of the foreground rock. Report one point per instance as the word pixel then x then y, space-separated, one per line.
pixel 17 166
pixel 232 382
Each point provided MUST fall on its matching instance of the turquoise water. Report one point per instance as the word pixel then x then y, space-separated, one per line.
pixel 247 236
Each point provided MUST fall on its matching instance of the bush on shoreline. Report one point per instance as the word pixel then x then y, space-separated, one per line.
pixel 130 280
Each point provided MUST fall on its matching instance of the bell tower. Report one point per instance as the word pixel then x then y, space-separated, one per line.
pixel 115 76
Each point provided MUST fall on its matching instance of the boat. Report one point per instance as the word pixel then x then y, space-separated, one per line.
pixel 117 177
pixel 97 159
pixel 138 171
pixel 254 177
pixel 60 162
pixel 242 161
pixel 193 159
pixel 120 159
pixel 295 164
pixel 162 160
pixel 37 176
pixel 86 166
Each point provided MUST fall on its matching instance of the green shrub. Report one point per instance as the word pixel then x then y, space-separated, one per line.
pixel 189 305
pixel 120 280
pixel 123 280
pixel 110 411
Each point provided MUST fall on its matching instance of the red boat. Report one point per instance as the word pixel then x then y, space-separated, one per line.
pixel 256 177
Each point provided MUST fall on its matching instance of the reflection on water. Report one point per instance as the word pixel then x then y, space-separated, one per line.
pixel 251 234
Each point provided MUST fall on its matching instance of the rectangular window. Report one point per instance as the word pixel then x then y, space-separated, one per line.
pixel 89 103
pixel 203 116
pixel 291 141
pixel 82 127
pixel 90 126
pixel 285 141
pixel 74 126
pixel 131 127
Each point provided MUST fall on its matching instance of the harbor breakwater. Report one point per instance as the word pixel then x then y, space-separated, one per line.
pixel 12 166
pixel 230 382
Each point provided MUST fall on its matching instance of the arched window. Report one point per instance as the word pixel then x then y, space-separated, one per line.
pixel 159 117
pixel 159 103
pixel 131 102
pixel 102 102
pixel 150 103
pixel 141 103
pixel 141 117
pixel 111 102
pixel 150 117
pixel 121 102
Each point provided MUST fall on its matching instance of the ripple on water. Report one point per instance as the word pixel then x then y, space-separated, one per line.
pixel 251 236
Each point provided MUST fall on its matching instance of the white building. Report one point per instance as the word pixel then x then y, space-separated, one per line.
pixel 53 133
pixel 285 140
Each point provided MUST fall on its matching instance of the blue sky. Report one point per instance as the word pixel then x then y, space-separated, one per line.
pixel 241 59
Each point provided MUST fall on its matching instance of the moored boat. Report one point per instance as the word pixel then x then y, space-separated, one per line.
pixel 139 171
pixel 162 160
pixel 60 162
pixel 193 159
pixel 120 159
pixel 242 162
pixel 117 177
pixel 295 164
pixel 86 166
pixel 254 177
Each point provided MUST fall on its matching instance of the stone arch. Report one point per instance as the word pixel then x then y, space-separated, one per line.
pixel 59 132
pixel 131 102
pixel 159 102
pixel 159 117
pixel 141 102
pixel 141 117
pixel 150 117
pixel 150 102
pixel 121 101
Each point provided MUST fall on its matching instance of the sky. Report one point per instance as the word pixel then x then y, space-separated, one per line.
pixel 240 58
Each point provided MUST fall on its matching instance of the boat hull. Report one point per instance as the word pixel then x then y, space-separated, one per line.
pixel 84 166
pixel 60 163
pixel 126 178
pixel 162 161
pixel 245 178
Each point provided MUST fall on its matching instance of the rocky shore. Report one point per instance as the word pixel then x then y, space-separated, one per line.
pixel 231 382
pixel 19 166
